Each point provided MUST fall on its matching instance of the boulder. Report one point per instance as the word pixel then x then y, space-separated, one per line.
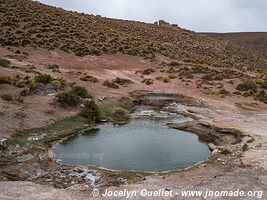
pixel 163 23
pixel 245 147
pixel 212 146
pixel 39 88
pixel 54 86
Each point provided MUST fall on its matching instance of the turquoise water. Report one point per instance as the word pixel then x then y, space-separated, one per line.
pixel 142 145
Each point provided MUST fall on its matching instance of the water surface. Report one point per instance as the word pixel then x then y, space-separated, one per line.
pixel 144 144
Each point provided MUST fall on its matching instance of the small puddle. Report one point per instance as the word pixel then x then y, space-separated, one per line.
pixel 144 144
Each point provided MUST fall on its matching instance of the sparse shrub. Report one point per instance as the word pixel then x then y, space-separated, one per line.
pixel 262 96
pixel 73 97
pixel 166 80
pixel 163 79
pixel 5 79
pixel 174 63
pixel 109 84
pixel 247 86
pixel 20 84
pixel 25 92
pixel 237 93
pixel 212 77
pixel 25 42
pixel 89 78
pixel 122 81
pixel 148 81
pixel 172 76
pixel 148 71
pixel 63 82
pixel 207 77
pixel 4 63
pixel 223 91
pixel 18 51
pixel 68 98
pixel 90 111
pixel 7 97
pixel 20 99
pixel 120 115
pixel 43 78
pixel 80 91
pixel 171 70
pixel 247 94
pixel 51 66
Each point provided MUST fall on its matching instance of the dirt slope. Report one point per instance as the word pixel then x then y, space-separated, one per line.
pixel 254 40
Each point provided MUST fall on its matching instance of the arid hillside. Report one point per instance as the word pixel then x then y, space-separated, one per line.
pixel 254 40
pixel 29 23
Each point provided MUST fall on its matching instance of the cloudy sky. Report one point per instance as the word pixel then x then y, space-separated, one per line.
pixel 197 15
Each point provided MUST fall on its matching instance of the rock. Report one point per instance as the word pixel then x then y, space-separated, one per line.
pixel 226 151
pixel 102 98
pixel 216 151
pixel 51 154
pixel 39 88
pixel 163 23
pixel 24 158
pixel 4 143
pixel 53 86
pixel 212 146
pixel 78 170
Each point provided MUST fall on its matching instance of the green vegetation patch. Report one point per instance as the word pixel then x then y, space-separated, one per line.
pixel 73 97
pixel 80 91
pixel 131 177
pixel 120 115
pixel 68 99
pixel 47 134
pixel 90 111
pixel 110 110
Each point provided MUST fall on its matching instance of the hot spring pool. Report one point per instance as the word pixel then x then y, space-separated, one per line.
pixel 144 144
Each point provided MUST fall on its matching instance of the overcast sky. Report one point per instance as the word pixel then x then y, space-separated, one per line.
pixel 197 15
